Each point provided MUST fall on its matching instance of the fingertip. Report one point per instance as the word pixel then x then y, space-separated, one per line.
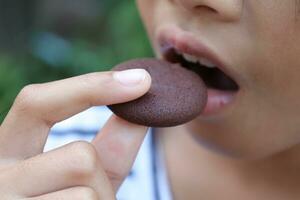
pixel 131 77
pixel 113 87
pixel 148 80
pixel 136 82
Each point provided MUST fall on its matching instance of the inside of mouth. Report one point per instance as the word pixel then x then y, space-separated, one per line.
pixel 214 78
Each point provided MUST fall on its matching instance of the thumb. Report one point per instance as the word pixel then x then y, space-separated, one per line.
pixel 118 145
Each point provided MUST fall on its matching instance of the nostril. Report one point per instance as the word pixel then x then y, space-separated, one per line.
pixel 207 8
pixel 229 10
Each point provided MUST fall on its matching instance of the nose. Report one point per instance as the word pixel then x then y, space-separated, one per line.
pixel 226 10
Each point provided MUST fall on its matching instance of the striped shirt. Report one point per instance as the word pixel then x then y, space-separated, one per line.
pixel 147 179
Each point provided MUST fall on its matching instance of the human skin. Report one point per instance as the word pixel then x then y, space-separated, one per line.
pixel 79 170
pixel 255 139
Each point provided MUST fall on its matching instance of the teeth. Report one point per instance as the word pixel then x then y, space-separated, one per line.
pixel 190 58
pixel 206 62
pixel 194 59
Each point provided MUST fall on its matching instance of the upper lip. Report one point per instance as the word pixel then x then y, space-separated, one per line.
pixel 185 42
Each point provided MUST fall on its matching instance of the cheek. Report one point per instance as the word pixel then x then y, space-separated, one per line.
pixel 275 68
pixel 147 13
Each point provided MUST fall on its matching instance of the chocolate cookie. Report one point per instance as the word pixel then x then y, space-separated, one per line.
pixel 176 96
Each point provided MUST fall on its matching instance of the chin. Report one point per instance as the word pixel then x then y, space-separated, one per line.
pixel 231 145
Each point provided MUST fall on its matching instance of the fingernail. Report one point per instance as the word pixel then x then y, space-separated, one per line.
pixel 130 77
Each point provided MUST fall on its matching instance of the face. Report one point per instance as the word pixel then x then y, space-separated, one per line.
pixel 257 45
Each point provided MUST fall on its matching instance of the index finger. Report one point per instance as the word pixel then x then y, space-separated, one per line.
pixel 38 107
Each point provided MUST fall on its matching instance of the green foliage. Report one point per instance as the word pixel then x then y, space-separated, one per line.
pixel 117 35
pixel 11 79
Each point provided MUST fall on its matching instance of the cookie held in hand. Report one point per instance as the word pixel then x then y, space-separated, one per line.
pixel 176 96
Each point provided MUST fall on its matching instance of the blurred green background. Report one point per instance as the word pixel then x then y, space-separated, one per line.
pixel 45 40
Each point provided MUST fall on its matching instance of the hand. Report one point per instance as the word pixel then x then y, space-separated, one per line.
pixel 79 170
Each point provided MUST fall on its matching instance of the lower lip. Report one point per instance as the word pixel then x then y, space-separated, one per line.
pixel 217 101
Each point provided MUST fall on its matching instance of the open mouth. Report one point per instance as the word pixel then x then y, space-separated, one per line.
pixel 213 77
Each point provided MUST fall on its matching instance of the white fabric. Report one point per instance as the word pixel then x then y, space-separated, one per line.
pixel 163 185
pixel 140 183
